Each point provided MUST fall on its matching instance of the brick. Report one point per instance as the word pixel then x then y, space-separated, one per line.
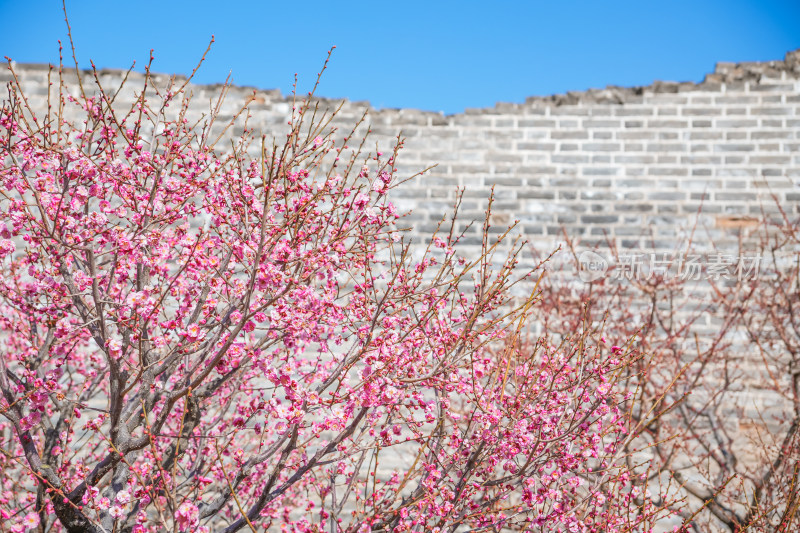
pixel 672 196
pixel 667 123
pixel 773 111
pixel 633 111
pixel 666 147
pixel 701 159
pixel 735 111
pixel 600 147
pixel 536 170
pixel 772 172
pixel 468 169
pixel 535 123
pixel 633 208
pixel 740 99
pixel 738 123
pixel 734 159
pixel 536 194
pixel 500 157
pixel 558 158
pixel 535 134
pixel 600 171
pixel 770 159
pixel 599 219
pixel 597 195
pixel 638 159
pixel 776 87
pixel 734 147
pixel 778 134
pixel 735 196
pixel 569 134
pixel 666 171
pixel 505 182
pixel 595 123
pixel 540 146
pixel 701 111
pixel 705 135
pixel 735 135
pixel 769 147
pixel 569 110
pixel 568 182
pixel 667 112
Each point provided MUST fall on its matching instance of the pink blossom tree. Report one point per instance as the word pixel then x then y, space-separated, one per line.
pixel 196 339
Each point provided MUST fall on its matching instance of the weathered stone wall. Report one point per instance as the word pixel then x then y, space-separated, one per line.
pixel 634 165
pixel 639 169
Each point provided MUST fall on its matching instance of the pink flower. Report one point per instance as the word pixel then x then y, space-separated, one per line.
pixel 90 494
pixel 135 298
pixel 193 331
pixel 361 201
pixel 6 248
pixel 31 521
pixel 82 281
pixel 31 420
pixel 187 516
pixel 114 346
pixel 116 511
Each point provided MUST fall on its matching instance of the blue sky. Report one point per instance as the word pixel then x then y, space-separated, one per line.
pixel 439 56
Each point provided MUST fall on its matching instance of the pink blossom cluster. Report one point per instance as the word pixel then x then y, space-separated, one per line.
pixel 196 339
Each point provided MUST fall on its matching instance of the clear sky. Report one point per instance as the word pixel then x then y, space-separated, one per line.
pixel 439 56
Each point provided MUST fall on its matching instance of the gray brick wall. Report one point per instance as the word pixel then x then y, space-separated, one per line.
pixel 623 164
pixel 635 168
